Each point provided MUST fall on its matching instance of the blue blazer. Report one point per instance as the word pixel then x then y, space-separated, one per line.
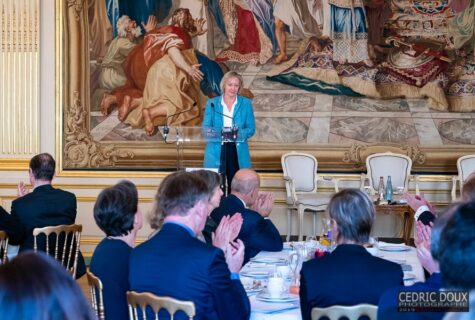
pixel 349 275
pixel 387 307
pixel 174 263
pixel 256 232
pixel 243 118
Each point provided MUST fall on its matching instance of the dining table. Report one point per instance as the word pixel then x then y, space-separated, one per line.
pixel 255 274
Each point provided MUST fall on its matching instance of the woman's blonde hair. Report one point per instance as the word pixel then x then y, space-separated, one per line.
pixel 228 75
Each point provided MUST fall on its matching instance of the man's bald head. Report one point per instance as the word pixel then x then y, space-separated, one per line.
pixel 245 181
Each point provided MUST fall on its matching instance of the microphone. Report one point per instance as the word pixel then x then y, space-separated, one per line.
pixel 166 129
pixel 225 132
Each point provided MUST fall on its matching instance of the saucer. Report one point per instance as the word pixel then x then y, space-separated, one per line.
pixel 285 297
pixel 257 274
pixel 269 260
pixel 394 248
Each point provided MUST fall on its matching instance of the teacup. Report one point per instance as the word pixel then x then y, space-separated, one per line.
pixel 275 287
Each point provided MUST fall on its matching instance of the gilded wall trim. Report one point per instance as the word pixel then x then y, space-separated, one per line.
pixel 77 150
pixel 19 79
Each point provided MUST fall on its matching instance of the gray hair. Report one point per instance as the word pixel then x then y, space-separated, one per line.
pixel 122 25
pixel 228 75
pixel 246 185
pixel 354 213
pixel 177 194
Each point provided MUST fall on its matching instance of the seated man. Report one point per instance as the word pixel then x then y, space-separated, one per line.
pixel 350 275
pixel 45 205
pixel 117 214
pixel 427 244
pixel 257 231
pixel 176 264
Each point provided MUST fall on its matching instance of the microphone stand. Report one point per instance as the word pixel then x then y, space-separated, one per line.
pixel 166 129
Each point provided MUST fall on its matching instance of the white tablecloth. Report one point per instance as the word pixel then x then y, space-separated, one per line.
pixel 413 272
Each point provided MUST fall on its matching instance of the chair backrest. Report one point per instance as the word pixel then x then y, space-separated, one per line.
pixel 465 166
pixel 3 247
pixel 350 312
pixel 65 245
pixel 97 301
pixel 396 165
pixel 302 169
pixel 142 300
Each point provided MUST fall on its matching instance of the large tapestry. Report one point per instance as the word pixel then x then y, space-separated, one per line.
pixel 152 64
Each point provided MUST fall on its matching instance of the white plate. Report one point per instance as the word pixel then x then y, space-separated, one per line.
pixel 285 297
pixel 257 274
pixel 394 248
pixel 269 260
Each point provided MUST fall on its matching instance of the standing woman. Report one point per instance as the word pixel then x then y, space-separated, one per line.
pixel 227 111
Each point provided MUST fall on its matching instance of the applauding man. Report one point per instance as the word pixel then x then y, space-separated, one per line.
pixel 257 231
pixel 176 264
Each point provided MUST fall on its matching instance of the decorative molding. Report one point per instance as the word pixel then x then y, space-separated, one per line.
pixel 357 153
pixel 14 164
pixel 77 4
pixel 80 149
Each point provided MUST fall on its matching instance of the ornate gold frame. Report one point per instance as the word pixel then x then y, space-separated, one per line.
pixel 77 149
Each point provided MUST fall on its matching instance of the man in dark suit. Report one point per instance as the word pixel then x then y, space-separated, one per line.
pixel 45 205
pixel 427 240
pixel 350 275
pixel 11 225
pixel 257 231
pixel 175 263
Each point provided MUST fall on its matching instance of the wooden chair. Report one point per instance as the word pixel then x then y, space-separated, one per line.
pixel 142 300
pixel 396 165
pixel 66 244
pixel 301 179
pixel 350 312
pixel 97 301
pixel 3 247
pixel 465 166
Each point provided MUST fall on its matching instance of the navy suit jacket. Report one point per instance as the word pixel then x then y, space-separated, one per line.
pixel 12 226
pixel 348 276
pixel 256 232
pixel 174 263
pixel 42 207
pixel 387 307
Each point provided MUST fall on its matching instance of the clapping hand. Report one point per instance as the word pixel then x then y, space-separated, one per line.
pixel 423 235
pixel 227 230
pixel 221 237
pixel 235 224
pixel 264 203
pixel 22 189
pixel 415 202
pixel 235 255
